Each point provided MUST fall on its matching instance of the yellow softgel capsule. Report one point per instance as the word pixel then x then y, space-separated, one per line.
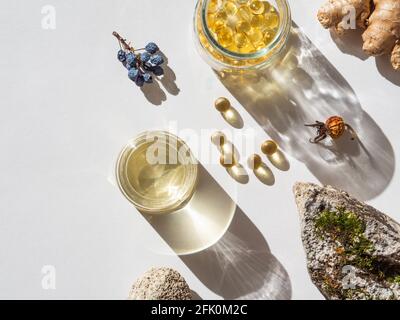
pixel 240 40
pixel 221 15
pixel 243 26
pixel 213 6
pixel 269 147
pixel 267 6
pixel 268 36
pixel 255 36
pixel 257 21
pixel 245 13
pixel 271 19
pixel 210 20
pixel 257 7
pixel 225 36
pixel 254 161
pixel 217 25
pixel 230 8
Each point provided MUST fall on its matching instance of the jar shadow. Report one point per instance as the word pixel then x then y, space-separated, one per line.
pixel 222 246
pixel 233 118
pixel 240 265
pixel 302 87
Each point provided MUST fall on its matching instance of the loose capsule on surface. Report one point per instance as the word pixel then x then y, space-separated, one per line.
pixel 227 160
pixel 269 147
pixel 222 104
pixel 254 161
pixel 218 138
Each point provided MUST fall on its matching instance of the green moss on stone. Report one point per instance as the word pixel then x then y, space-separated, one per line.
pixel 347 230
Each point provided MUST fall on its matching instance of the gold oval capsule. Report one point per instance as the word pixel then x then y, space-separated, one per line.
pixel 222 104
pixel 254 161
pixel 218 138
pixel 227 160
pixel 269 147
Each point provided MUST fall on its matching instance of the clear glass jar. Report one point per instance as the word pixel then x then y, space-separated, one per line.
pixel 157 172
pixel 223 58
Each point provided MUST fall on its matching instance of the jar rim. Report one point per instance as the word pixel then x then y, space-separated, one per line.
pixel 282 34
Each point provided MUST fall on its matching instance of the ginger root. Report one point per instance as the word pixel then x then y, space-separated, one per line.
pixel 332 13
pixel 380 18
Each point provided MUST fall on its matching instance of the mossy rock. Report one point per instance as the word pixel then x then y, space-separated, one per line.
pixel 353 250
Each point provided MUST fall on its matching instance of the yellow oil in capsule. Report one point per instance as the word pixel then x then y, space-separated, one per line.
pixel 225 36
pixel 268 36
pixel 245 13
pixel 243 26
pixel 221 15
pixel 218 24
pixel 257 6
pixel 213 6
pixel 240 40
pixel 230 8
pixel 258 21
pixel 267 6
pixel 272 19
pixel 255 36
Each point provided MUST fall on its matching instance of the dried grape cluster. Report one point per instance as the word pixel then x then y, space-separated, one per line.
pixel 143 63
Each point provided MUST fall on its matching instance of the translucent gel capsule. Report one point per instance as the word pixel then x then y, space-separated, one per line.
pixel 210 19
pixel 257 7
pixel 230 8
pixel 258 21
pixel 272 19
pixel 225 36
pixel 245 13
pixel 221 15
pixel 218 24
pixel 240 40
pixel 213 6
pixel 255 36
pixel 268 36
pixel 267 6
pixel 243 26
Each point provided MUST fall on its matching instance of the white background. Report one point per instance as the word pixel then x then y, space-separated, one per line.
pixel 68 108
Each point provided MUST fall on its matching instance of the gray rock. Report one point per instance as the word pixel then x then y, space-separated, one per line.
pixel 160 284
pixel 352 249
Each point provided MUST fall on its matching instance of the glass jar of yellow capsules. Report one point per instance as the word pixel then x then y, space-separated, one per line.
pixel 241 34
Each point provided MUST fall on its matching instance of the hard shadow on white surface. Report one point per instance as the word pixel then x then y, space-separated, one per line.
pixel 351 43
pixel 302 87
pixel 201 223
pixel 241 265
pixel 230 257
pixel 233 118
pixel 155 92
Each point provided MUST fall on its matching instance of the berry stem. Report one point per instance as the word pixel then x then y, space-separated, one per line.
pixel 123 42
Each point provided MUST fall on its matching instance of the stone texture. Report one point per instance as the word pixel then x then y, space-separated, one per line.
pixel 160 284
pixel 324 253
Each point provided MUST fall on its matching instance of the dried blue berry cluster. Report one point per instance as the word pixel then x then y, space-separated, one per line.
pixel 141 65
